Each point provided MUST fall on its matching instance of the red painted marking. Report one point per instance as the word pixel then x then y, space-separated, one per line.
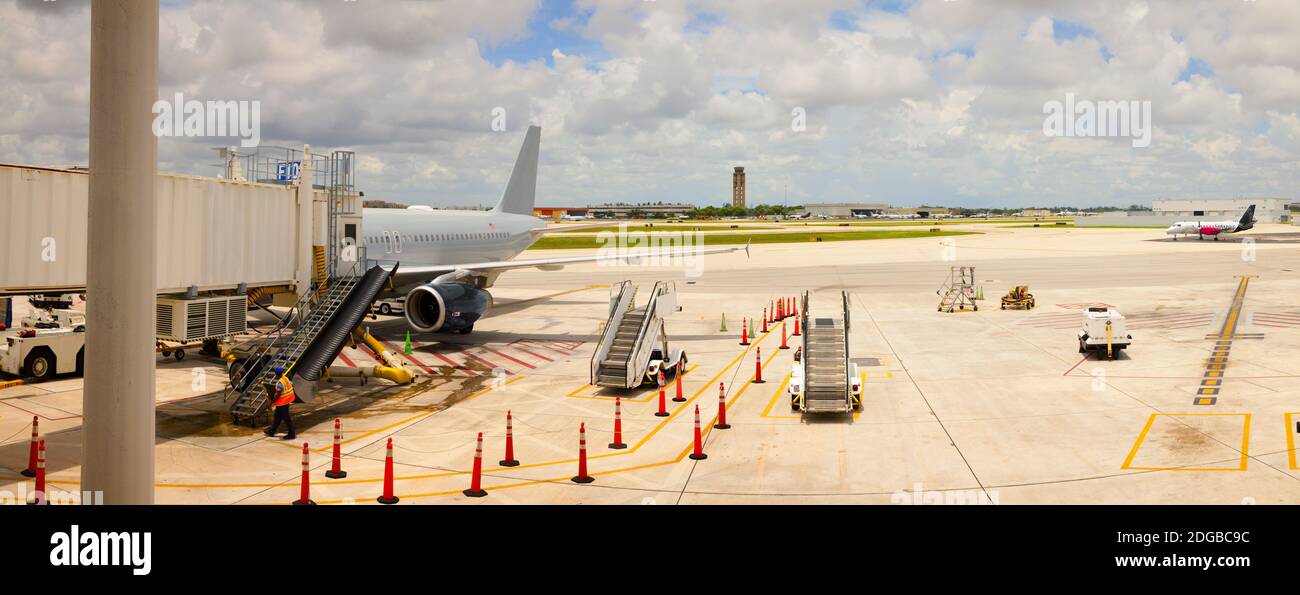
pixel 450 362
pixel 1067 372
pixel 517 361
pixel 536 355
pixel 486 362
pixel 548 346
pixel 344 357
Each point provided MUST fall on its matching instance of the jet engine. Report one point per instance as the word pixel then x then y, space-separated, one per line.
pixel 446 307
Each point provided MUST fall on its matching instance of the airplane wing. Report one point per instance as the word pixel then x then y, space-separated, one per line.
pixel 564 228
pixel 457 273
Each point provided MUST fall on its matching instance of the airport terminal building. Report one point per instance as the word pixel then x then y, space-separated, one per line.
pixel 1167 211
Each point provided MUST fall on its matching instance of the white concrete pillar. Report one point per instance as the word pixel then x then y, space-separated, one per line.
pixel 118 425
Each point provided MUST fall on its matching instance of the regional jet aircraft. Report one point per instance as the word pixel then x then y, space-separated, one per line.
pixel 448 259
pixel 1213 228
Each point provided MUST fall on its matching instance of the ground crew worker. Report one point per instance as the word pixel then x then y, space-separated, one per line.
pixel 284 396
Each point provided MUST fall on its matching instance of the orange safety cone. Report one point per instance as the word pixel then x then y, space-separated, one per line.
pixel 40 497
pixel 678 398
pixel 618 444
pixel 758 365
pixel 336 467
pixel 509 461
pixel 663 404
pixel 744 331
pixel 698 453
pixel 582 476
pixel 30 471
pixel 388 497
pixel 722 409
pixel 476 478
pixel 796 326
pixel 304 495
pixel 784 340
pixel 764 320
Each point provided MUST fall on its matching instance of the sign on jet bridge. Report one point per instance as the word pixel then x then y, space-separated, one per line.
pixel 287 171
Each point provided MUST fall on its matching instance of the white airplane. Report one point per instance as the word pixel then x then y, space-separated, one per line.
pixel 1213 228
pixel 446 260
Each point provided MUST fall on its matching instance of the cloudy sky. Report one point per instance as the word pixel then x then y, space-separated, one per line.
pixel 906 102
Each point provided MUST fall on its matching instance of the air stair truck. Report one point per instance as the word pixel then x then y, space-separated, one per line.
pixel 823 379
pixel 634 349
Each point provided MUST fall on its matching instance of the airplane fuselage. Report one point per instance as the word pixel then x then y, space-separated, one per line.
pixel 1202 228
pixel 420 237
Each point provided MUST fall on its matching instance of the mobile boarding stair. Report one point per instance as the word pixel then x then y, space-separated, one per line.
pixel 305 352
pixel 634 347
pixel 824 380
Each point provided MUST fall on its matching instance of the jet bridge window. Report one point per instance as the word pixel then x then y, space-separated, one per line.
pixel 1198 213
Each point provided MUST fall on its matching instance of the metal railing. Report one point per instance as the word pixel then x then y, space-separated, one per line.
pixel 639 359
pixel 626 292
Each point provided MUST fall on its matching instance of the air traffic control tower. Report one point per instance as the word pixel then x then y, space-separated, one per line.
pixel 738 188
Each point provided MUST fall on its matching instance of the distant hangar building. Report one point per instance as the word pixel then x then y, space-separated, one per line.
pixel 1267 210
pixel 1167 211
pixel 844 210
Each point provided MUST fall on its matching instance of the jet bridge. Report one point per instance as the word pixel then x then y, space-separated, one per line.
pixel 633 349
pixel 823 380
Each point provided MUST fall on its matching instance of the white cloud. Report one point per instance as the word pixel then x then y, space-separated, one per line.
pixel 942 104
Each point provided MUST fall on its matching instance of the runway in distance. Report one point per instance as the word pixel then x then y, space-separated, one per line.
pixel 1213 228
pixel 446 260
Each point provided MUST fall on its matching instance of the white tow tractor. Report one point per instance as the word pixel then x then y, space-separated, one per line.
pixel 48 343
pixel 1103 330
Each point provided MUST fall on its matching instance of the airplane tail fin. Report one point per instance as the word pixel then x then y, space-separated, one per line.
pixel 1247 219
pixel 521 191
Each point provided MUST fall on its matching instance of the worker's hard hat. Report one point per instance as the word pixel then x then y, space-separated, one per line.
pixel 279 370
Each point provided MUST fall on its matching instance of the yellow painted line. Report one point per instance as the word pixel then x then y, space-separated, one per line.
pixel 779 391
pixel 1290 443
pixel 1245 443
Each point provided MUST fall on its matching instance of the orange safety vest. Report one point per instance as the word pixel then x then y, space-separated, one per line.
pixel 284 389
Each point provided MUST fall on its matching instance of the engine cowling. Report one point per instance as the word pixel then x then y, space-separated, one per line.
pixel 446 307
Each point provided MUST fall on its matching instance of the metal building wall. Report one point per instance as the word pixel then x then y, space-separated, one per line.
pixel 212 233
